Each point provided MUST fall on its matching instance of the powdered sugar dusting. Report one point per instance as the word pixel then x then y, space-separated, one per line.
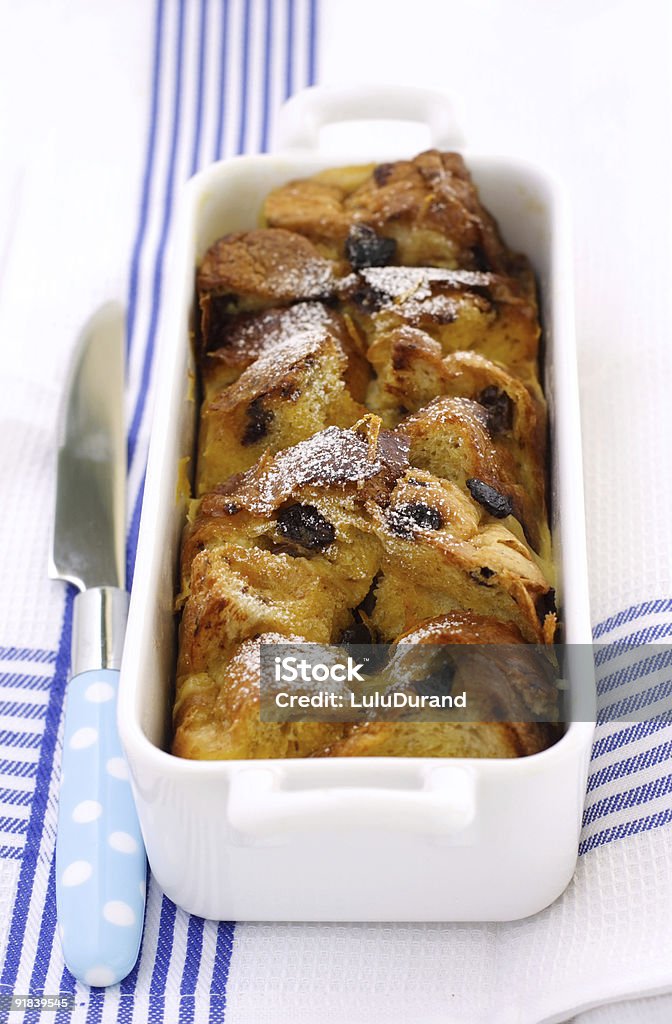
pixel 331 458
pixel 399 282
pixel 305 279
pixel 289 350
pixel 251 334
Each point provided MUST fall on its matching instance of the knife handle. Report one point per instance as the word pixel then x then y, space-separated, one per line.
pixel 100 857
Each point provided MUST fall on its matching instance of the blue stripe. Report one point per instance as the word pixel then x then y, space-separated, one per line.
pixel 634 671
pixel 620 738
pixel 268 70
pixel 223 64
pixel 15 797
pixel 147 178
pixel 312 43
pixel 220 974
pixel 635 611
pixel 164 949
pixel 10 853
pixel 643 759
pixel 125 1008
pixel 94 1010
pixel 25 740
pixel 608 652
pixel 39 805
pixel 67 986
pixel 21 709
pixel 634 705
pixel 45 941
pixel 19 769
pixel 245 69
pixel 28 654
pixel 25 682
pixel 190 972
pixel 630 828
pixel 196 148
pixel 134 532
pixel 628 798
pixel 158 266
pixel 289 50
pixel 13 826
pixel 129 983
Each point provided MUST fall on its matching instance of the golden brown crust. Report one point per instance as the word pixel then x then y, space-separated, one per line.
pixel 250 270
pixel 217 716
pixel 455 438
pixel 471 560
pixel 428 205
pixel 449 739
pixel 294 389
pixel 460 310
pixel 265 266
pixel 243 338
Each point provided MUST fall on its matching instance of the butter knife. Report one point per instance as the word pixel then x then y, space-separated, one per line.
pixel 100 857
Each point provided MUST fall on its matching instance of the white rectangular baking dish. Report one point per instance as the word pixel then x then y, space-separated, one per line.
pixel 354 839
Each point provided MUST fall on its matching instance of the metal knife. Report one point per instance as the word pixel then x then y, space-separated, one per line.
pixel 100 857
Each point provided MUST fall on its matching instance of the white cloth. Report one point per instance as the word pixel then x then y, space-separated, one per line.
pixel 581 87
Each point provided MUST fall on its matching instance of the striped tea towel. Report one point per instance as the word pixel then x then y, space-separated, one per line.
pixel 203 78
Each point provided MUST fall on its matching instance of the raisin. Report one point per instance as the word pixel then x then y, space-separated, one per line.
pixel 381 173
pixel 259 420
pixel 306 526
pixel 364 248
pixel 367 299
pixel 499 407
pixel 482 575
pixel 496 504
pixel 405 519
pixel 230 508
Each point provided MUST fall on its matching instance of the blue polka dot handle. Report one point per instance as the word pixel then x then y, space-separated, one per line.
pixel 100 857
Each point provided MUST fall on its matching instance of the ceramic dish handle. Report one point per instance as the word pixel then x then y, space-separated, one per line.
pixel 443 804
pixel 303 116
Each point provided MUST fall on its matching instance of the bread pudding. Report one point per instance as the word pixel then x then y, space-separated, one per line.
pixel 371 461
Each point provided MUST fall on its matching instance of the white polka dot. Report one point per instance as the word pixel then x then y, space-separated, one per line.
pixel 99 692
pixel 88 810
pixel 116 766
pixel 122 842
pixel 76 873
pixel 101 976
pixel 84 737
pixel 143 890
pixel 118 912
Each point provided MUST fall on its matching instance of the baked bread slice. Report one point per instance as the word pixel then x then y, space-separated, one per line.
pixel 295 387
pixel 427 207
pixel 461 310
pixel 251 270
pixel 217 713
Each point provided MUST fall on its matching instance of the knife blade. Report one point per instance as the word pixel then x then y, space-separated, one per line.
pixel 100 857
